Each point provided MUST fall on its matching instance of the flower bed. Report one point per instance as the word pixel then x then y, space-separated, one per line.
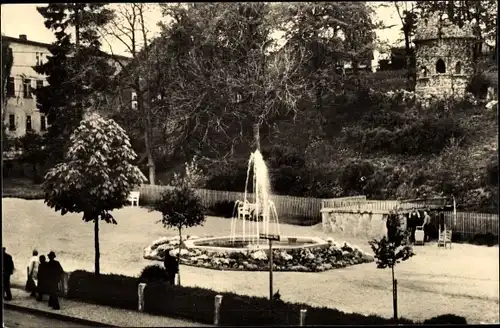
pixel 313 259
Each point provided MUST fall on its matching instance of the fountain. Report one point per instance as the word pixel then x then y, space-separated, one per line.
pixel 243 249
pixel 262 206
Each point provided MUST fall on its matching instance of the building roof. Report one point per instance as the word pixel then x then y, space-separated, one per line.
pixel 438 27
pixel 47 45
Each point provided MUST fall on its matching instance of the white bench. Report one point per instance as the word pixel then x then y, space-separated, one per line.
pixel 133 198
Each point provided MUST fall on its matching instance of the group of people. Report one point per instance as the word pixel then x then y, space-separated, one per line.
pixel 43 277
pixel 410 221
pixel 415 220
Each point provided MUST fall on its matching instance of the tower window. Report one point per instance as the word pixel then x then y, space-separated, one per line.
pixel 440 66
pixel 458 68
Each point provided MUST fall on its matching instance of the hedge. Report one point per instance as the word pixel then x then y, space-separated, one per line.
pixel 197 304
pixel 105 289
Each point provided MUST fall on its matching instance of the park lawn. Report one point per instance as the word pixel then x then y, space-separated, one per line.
pixel 462 281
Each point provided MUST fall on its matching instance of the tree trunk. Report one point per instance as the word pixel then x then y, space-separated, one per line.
pixel 179 259
pixel 145 108
pixel 394 296
pixel 408 56
pixel 96 245
pixel 151 162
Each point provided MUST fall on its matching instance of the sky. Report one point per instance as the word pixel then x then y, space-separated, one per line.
pixel 19 19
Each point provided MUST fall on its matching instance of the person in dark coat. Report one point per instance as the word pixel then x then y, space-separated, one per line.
pixel 413 223
pixel 171 266
pixel 54 276
pixel 42 278
pixel 7 271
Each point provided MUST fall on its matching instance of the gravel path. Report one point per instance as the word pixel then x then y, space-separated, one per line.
pixel 462 281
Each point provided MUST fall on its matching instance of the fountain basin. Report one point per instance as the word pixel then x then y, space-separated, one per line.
pixel 243 243
pixel 301 254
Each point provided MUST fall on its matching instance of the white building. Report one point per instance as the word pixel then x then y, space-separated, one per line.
pixel 21 112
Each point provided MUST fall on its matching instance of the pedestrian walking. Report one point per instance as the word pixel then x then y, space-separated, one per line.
pixel 32 280
pixel 54 275
pixel 7 271
pixel 42 278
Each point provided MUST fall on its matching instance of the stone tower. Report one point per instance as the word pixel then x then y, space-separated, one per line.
pixel 443 54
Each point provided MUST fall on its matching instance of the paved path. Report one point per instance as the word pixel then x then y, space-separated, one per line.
pixel 97 313
pixel 15 318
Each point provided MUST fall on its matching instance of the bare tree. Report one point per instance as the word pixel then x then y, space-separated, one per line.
pixel 129 27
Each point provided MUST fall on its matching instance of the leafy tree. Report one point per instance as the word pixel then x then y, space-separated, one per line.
pixel 33 153
pixel 77 74
pixel 389 252
pixel 180 208
pixel 96 175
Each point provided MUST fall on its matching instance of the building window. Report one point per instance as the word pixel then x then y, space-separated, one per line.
pixel 134 96
pixel 39 84
pixel 134 104
pixel 458 68
pixel 12 122
pixel 27 92
pixel 440 66
pixel 11 87
pixel 38 61
pixel 43 123
pixel 28 123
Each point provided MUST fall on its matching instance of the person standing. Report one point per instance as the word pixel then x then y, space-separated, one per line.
pixel 42 278
pixel 31 284
pixel 171 266
pixel 426 226
pixel 54 275
pixel 414 218
pixel 7 271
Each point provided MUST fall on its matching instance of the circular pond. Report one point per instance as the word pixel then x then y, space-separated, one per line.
pixel 305 254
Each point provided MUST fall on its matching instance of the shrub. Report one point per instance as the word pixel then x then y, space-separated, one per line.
pixel 487 239
pixel 197 304
pixel 354 175
pixel 153 274
pixel 223 208
pixel 105 289
pixel 478 85
pixel 239 310
pixel 194 303
pixel 446 319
